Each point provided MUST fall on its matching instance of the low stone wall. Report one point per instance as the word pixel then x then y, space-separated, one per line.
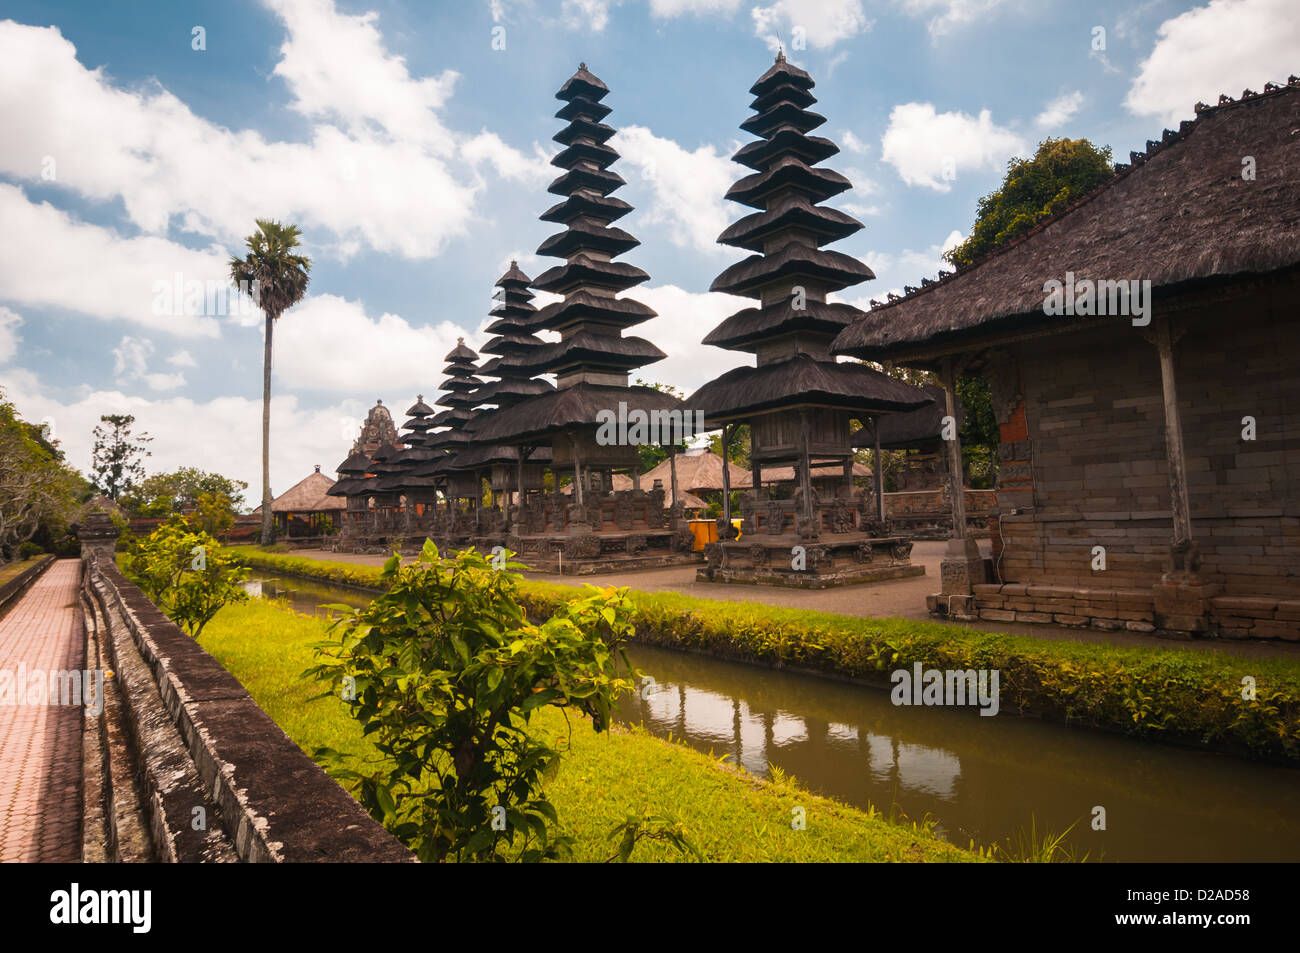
pixel 182 764
pixel 1233 617
pixel 16 586
pixel 927 514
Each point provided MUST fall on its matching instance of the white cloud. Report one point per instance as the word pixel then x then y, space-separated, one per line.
pixel 182 358
pixel 677 8
pixel 9 324
pixel 929 148
pixel 1059 111
pixel 686 188
pixel 895 270
pixel 585 14
pixel 684 319
pixel 1224 47
pixel 328 343
pixel 818 23
pixel 223 435
pixel 853 143
pixel 48 259
pixel 131 360
pixel 387 175
pixel 947 15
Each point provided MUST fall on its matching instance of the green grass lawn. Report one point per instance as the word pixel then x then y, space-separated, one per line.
pixel 728 815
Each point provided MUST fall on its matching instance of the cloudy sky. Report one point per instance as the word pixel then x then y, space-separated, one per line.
pixel 410 141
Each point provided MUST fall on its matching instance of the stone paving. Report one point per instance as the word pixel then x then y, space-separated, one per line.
pixel 40 745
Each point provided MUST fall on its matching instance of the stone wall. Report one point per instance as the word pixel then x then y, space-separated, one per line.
pixel 1083 465
pixel 182 764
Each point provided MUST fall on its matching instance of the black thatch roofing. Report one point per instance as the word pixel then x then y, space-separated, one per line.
pixel 583 270
pixel 791 211
pixel 803 380
pixel 591 349
pixel 746 329
pixel 586 232
pixel 583 306
pixel 760 153
pixel 570 408
pixel 585 202
pixel 582 83
pixel 1178 213
pixel 779 73
pixel 916 430
pixel 356 463
pixel 787 172
pixel 460 353
pixel 831 269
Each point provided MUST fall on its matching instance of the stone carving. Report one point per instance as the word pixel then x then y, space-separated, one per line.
pixel 840 517
pixel 586 546
pixel 775 518
pixel 758 554
pixel 863 553
pixel 636 545
pixel 901 550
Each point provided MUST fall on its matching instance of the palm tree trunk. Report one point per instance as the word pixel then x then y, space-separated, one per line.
pixel 267 530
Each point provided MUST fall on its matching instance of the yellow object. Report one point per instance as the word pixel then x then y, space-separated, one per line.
pixel 736 523
pixel 704 531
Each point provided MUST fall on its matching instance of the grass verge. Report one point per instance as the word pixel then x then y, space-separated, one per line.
pixel 728 815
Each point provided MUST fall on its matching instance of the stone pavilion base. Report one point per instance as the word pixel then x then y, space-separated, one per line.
pixel 839 560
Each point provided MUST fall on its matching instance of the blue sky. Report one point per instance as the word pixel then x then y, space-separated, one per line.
pixel 411 143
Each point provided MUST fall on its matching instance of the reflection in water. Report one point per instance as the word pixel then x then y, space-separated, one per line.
pixel 978 778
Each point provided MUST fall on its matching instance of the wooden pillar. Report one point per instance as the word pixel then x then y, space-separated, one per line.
pixel 672 469
pixel 1180 506
pixel 805 475
pixel 577 471
pixel 726 478
pixel 756 468
pixel 954 451
pixel 636 476
pixel 878 462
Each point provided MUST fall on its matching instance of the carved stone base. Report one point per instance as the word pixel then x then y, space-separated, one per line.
pixel 962 568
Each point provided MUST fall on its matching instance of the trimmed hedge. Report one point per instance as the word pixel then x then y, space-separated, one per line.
pixel 1180 695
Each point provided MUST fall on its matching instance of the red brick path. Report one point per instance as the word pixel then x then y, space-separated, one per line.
pixel 40 745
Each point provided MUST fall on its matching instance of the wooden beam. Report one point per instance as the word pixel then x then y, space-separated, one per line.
pixel 954 451
pixel 878 463
pixel 1180 506
pixel 804 476
pixel 672 469
pixel 726 477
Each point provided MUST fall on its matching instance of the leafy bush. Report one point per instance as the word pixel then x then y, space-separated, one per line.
pixel 185 572
pixel 444 671
pixel 29 549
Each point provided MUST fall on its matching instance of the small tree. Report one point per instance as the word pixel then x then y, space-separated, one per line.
pixel 117 458
pixel 186 574
pixel 444 671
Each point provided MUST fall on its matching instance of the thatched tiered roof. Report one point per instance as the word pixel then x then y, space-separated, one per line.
pixel 404 464
pixel 1179 213
pixel 698 473
pixel 457 390
pixel 592 359
pixel 311 494
pixel 791 328
pixel 915 430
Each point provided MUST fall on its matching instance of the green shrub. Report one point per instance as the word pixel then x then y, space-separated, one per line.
pixel 444 671
pixel 29 549
pixel 185 573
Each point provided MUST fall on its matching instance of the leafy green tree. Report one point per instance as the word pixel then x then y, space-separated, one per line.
pixel 117 457
pixel 279 275
pixel 444 671
pixel 186 573
pixel 162 494
pixel 653 454
pixel 1061 171
pixel 39 492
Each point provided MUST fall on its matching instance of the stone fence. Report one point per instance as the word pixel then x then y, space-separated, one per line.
pixel 15 587
pixel 182 765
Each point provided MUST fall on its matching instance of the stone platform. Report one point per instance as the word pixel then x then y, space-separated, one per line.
pixel 789 560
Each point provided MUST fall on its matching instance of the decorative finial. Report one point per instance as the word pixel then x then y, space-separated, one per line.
pixel 460 340
pixel 419 397
pixel 379 401
pixel 582 66
pixel 780 54
pixel 513 263
pixel 318 468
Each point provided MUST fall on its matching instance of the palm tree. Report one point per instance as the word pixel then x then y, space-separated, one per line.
pixel 278 278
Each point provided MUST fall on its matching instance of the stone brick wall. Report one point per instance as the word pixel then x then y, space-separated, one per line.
pixel 1093 442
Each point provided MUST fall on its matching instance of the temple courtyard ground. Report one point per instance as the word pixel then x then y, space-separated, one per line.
pixel 899 598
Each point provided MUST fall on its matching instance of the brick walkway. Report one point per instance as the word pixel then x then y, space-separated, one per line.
pixel 40 745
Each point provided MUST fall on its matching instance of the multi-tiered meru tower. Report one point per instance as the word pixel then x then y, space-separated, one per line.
pixel 798 400
pixel 505 466
pixel 592 360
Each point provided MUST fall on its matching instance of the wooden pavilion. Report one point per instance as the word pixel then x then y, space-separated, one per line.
pixel 798 400
pixel 1150 471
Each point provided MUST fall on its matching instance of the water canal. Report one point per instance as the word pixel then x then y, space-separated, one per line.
pixel 977 778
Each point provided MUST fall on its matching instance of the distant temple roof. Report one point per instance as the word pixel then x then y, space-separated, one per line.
pixel 308 495
pixel 1177 213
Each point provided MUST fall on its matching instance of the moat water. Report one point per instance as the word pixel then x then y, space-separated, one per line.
pixel 977 778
